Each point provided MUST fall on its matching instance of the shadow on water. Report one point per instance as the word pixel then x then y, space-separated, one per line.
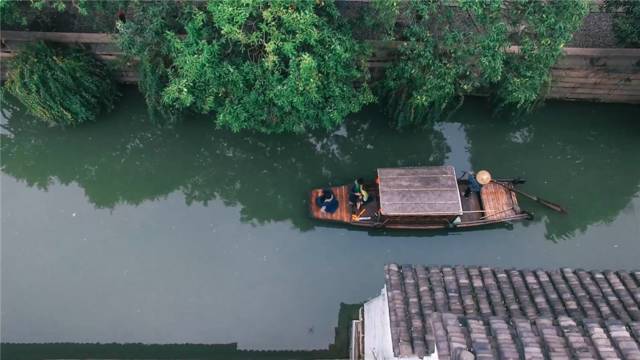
pixel 338 350
pixel 123 159
pixel 583 156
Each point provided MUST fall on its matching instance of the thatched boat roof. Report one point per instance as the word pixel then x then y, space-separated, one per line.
pixel 419 191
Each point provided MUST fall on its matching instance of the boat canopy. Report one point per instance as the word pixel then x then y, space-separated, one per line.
pixel 419 191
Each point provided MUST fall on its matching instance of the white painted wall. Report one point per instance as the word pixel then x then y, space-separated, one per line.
pixel 377 331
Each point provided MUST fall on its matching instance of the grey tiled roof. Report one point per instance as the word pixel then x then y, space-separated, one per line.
pixel 558 313
pixel 460 337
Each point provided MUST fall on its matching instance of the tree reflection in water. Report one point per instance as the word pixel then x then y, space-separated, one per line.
pixel 583 156
pixel 123 159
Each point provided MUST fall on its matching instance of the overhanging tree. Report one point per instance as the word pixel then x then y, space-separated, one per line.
pixel 61 85
pixel 452 49
pixel 276 66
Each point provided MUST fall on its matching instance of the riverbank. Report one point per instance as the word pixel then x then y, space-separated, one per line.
pixel 581 74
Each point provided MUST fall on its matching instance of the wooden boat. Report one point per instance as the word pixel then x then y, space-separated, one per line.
pixel 423 198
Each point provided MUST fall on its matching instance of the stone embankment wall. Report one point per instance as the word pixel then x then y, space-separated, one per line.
pixel 585 74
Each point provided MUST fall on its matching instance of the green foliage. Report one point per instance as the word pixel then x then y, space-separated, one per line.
pixel 61 5
pixel 277 66
pixel 60 15
pixel 542 29
pixel 441 60
pixel 452 51
pixel 378 19
pixel 626 21
pixel 60 85
pixel 143 38
pixel 10 13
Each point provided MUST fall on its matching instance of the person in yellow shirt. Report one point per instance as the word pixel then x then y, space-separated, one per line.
pixel 358 194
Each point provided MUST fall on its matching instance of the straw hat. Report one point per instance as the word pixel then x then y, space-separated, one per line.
pixel 483 177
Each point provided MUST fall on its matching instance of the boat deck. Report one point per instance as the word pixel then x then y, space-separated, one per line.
pixel 342 214
pixel 471 206
pixel 498 202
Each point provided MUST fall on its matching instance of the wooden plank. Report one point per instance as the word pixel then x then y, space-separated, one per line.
pixel 634 99
pixel 593 92
pixel 63 37
pixel 607 89
pixel 342 214
pixel 416 171
pixel 595 62
pixel 604 80
pixel 11 46
pixel 598 99
pixel 471 206
pixel 419 182
pixel 497 202
pixel 586 73
pixel 602 52
pixel 596 90
pixel 421 197
pixel 443 208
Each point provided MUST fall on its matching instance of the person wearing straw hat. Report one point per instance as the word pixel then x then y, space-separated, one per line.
pixel 476 181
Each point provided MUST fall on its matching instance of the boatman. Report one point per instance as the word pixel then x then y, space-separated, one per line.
pixel 475 182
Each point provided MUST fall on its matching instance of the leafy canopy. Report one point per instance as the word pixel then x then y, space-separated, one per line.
pixel 143 38
pixel 277 66
pixel 540 29
pixel 449 52
pixel 626 21
pixel 441 60
pixel 60 85
pixel 60 15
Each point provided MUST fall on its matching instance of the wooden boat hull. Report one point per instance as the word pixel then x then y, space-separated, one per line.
pixel 494 205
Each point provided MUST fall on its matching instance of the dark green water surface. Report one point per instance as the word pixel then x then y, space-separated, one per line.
pixel 121 231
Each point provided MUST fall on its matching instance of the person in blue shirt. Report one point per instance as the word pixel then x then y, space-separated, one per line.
pixel 473 185
pixel 327 201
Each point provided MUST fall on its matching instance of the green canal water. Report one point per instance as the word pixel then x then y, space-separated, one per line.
pixel 122 231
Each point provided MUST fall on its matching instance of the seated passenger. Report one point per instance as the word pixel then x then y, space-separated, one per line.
pixel 326 201
pixel 358 195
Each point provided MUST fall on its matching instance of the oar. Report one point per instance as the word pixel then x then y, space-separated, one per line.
pixel 544 202
pixel 515 181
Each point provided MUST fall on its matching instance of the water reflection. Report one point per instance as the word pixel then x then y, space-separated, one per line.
pixel 122 159
pixel 583 156
pixel 569 153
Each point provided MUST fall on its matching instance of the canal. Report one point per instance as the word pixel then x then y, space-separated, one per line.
pixel 123 231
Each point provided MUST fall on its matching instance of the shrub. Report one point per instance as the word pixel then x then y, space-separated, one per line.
pixel 626 21
pixel 453 51
pixel 60 85
pixel 541 30
pixel 276 66
pixel 441 60
pixel 60 15
pixel 143 38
